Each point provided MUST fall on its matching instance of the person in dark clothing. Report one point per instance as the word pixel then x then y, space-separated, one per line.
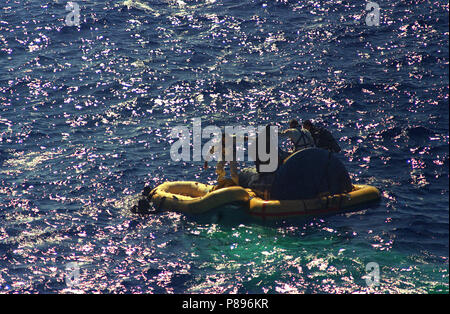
pixel 322 137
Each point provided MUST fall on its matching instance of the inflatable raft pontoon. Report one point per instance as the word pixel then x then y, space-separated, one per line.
pixel 360 195
pixel 196 198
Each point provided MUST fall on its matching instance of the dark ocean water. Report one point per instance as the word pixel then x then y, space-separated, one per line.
pixel 85 114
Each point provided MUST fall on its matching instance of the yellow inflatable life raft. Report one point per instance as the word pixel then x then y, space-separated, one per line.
pixel 195 198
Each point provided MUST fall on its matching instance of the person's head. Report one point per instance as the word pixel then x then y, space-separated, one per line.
pixel 307 124
pixel 293 124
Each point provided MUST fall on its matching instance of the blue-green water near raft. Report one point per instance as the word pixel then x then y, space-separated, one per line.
pixel 85 114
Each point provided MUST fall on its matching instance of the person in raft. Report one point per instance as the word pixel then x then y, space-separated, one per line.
pixel 220 167
pixel 300 137
pixel 322 137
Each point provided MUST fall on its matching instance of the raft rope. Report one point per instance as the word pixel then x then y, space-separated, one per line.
pixel 150 197
pixel 151 194
pixel 158 209
pixel 304 206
